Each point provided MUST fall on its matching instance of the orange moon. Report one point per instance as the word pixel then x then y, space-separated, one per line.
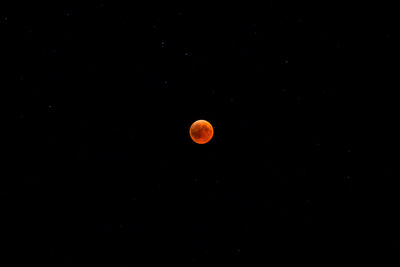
pixel 201 131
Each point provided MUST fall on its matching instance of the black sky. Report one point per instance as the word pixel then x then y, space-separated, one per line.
pixel 103 170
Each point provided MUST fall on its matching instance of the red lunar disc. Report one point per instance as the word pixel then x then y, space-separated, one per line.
pixel 201 131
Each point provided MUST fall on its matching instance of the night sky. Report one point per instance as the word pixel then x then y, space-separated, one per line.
pixel 102 170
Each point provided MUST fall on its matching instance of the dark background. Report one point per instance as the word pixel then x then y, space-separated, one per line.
pixel 102 170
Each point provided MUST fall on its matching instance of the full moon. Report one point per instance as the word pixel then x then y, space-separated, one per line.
pixel 201 131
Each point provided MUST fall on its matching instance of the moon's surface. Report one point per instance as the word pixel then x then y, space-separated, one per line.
pixel 201 131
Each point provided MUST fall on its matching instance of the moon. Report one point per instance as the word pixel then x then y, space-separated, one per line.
pixel 201 131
